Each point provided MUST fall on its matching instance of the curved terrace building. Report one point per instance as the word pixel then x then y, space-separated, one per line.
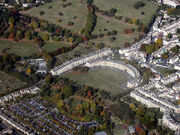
pixel 80 61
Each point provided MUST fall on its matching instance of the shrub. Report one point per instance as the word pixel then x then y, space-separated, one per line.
pixel 112 11
pixel 127 44
pixel 139 4
pixel 178 31
pixel 58 20
pixel 173 11
pixel 100 45
pixel 112 39
pixel 41 12
pixel 142 13
pixel 114 32
pixel 70 23
pixel 60 14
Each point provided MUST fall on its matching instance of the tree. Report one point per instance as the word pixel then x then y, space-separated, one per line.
pixel 112 11
pixel 178 31
pixel 100 45
pixel 41 12
pixel 71 39
pixel 19 35
pixel 45 37
pixel 89 1
pixel 11 35
pixel 28 35
pixel 175 49
pixel 48 79
pixel 150 49
pixel 169 36
pixel 39 41
pixel 89 94
pixel 11 22
pixel 139 4
pixel 28 71
pixel 142 132
pixel 112 39
pixel 143 47
pixel 132 106
pixel 60 103
pixel 173 11
pixel 179 102
pixel 83 131
pixel 67 91
pixel 56 38
pixel 159 43
pixel 127 44
pixel 35 25
pixel 138 129
pixel 91 22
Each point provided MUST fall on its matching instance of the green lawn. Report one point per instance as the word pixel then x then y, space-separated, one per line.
pixel 52 46
pixel 8 83
pixel 125 8
pixel 74 102
pixel 23 49
pixel 104 79
pixel 77 9
pixel 4 44
pixel 164 71
pixel 19 48
pixel 113 24
pixel 118 130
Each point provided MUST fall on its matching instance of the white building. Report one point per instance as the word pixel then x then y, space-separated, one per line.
pixel 177 66
pixel 68 65
pixel 172 3
pixel 157 23
pixel 176 87
pixel 134 54
pixel 174 60
pixel 169 121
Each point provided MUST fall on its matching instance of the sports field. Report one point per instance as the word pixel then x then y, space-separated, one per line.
pixel 19 48
pixel 104 79
pixel 76 13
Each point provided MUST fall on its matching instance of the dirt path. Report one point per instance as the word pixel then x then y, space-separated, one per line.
pixel 81 98
pixel 108 17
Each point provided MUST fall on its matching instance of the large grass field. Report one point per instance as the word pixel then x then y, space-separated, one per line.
pixel 104 79
pixel 76 13
pixel 52 46
pixel 111 25
pixel 126 8
pixel 28 48
pixel 19 48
